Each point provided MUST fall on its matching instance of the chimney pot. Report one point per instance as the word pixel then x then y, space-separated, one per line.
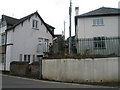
pixel 77 10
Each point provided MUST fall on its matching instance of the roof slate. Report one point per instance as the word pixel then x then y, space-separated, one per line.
pixel 103 11
pixel 10 20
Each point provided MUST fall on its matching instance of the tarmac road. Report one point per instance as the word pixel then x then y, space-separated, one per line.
pixel 20 82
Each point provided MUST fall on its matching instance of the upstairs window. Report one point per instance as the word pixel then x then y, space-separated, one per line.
pixel 98 22
pixel 35 24
pixel 99 42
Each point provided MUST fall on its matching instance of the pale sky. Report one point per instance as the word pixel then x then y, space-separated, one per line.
pixel 53 12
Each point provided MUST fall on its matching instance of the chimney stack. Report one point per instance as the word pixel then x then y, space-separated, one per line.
pixel 77 11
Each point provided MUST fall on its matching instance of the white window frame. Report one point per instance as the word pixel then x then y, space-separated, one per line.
pixel 27 58
pixel 20 57
pixel 35 24
pixel 98 22
pixel 33 58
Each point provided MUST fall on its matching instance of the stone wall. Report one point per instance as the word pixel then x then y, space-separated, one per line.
pixel 25 69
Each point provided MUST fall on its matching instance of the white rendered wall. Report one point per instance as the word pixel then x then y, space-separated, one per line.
pixel 81 70
pixel 25 40
pixel 87 30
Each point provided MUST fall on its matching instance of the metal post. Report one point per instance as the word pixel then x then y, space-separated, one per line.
pixel 64 30
pixel 70 11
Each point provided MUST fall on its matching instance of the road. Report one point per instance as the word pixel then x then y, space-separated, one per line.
pixel 19 82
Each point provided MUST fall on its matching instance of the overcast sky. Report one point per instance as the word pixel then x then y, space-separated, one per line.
pixel 53 12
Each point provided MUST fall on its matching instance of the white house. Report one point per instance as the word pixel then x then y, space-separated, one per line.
pixel 97 32
pixel 25 39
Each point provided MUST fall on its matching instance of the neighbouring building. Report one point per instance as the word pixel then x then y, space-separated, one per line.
pixel 26 39
pixel 73 45
pixel 58 44
pixel 97 32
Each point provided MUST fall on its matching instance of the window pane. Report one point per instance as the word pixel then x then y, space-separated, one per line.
pixel 3 39
pixel 98 21
pixel 20 57
pixel 94 22
pixel 33 57
pixel 99 42
pixel 25 57
pixel 28 58
pixel 101 21
pixel 35 24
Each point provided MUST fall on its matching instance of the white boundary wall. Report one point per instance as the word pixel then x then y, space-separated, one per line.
pixel 76 70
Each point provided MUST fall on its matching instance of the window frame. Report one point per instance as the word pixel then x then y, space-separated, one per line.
pixel 3 37
pixel 99 43
pixel 27 57
pixel 35 24
pixel 98 22
pixel 33 58
pixel 20 57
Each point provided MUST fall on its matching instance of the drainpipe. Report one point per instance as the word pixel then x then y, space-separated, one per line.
pixel 5 50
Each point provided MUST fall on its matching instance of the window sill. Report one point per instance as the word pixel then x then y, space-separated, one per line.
pixel 97 25
pixel 35 28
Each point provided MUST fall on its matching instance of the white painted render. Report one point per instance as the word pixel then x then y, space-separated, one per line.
pixel 81 70
pixel 2 29
pixel 86 29
pixel 25 40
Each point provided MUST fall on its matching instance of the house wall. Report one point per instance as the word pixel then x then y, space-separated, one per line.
pixel 25 40
pixel 2 29
pixel 86 30
pixel 81 70
pixel 2 48
pixel 111 47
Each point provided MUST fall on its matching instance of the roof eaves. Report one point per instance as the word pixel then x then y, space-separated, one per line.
pixel 96 15
pixel 21 20
pixel 25 18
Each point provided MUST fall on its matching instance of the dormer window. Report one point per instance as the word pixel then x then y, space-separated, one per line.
pixel 35 24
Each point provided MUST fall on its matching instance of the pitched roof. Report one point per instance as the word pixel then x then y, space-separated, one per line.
pixel 10 20
pixel 50 26
pixel 16 22
pixel 103 11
